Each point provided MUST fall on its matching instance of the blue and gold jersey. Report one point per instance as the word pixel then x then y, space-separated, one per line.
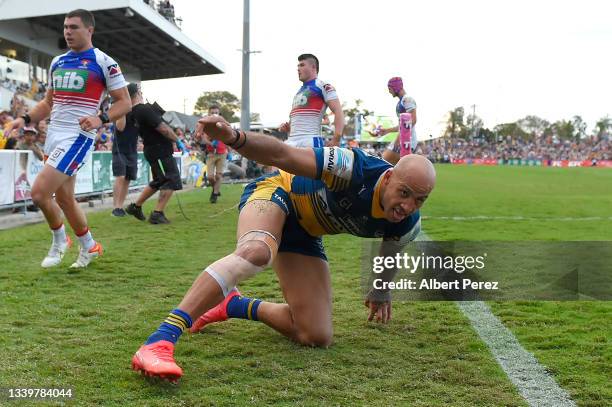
pixel 344 197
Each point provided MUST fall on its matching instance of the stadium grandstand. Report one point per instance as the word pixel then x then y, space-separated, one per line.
pixel 144 37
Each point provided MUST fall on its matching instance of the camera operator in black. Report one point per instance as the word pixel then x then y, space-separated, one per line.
pixel 158 139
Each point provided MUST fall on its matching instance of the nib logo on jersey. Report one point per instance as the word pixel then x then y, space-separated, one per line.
pixel 72 80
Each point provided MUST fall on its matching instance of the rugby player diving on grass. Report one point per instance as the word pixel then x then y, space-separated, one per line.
pixel 282 217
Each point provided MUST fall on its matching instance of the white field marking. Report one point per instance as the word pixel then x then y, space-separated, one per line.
pixel 531 379
pixel 534 383
pixel 528 218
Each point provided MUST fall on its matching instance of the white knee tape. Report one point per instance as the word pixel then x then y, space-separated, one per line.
pixel 262 236
pixel 231 270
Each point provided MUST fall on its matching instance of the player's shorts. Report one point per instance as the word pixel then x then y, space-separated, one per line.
pixel 165 173
pixel 215 164
pixel 125 165
pixel 275 188
pixel 68 152
pixel 305 141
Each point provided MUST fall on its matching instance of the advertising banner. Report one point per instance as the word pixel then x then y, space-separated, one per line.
pixel 7 172
pixel 102 176
pixel 84 178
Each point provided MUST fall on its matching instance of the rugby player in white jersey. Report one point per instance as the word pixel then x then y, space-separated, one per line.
pixel 309 106
pixel 405 104
pixel 77 82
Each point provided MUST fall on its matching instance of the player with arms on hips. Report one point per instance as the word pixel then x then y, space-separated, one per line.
pixel 318 191
pixel 406 104
pixel 309 106
pixel 77 81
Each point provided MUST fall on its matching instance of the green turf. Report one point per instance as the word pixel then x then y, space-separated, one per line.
pixel 572 339
pixel 81 329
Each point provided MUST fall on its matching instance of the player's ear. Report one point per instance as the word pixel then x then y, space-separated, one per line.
pixel 387 176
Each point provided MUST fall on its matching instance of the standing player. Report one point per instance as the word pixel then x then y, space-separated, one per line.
pixel 282 217
pixel 309 106
pixel 216 157
pixel 406 104
pixel 78 80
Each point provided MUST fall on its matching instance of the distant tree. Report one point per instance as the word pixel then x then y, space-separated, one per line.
pixel 455 125
pixel 255 117
pixel 579 128
pixel 229 104
pixel 475 123
pixel 534 125
pixel 486 134
pixel 603 127
pixel 564 129
pixel 510 129
pixel 351 113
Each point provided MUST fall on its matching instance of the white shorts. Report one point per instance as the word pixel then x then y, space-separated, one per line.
pixel 67 152
pixel 305 141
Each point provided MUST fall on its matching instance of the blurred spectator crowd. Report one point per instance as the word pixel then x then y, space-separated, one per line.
pixel 542 149
pixel 166 9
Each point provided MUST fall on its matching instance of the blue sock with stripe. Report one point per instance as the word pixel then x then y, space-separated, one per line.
pixel 243 307
pixel 172 328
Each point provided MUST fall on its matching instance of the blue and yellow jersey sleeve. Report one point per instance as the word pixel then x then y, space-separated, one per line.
pixel 335 167
pixel 341 168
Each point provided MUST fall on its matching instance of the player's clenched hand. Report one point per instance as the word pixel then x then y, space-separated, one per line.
pixel 216 128
pixel 89 123
pixel 13 125
pixel 285 127
pixel 379 310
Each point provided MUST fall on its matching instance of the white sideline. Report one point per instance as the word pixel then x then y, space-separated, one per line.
pixel 543 218
pixel 531 379
pixel 534 383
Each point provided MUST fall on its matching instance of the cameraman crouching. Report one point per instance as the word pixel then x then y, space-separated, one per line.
pixel 157 138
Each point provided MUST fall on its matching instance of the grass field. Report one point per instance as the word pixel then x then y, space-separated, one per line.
pixel 80 329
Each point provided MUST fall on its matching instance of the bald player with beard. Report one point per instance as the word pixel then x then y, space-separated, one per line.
pixel 283 215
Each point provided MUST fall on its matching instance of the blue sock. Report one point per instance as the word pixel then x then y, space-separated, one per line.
pixel 171 329
pixel 243 307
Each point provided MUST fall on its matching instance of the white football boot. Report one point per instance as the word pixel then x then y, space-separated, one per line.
pixel 56 253
pixel 87 256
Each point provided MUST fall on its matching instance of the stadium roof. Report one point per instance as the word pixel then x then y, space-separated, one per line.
pixel 129 30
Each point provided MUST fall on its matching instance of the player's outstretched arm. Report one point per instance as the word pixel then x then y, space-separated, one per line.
pixel 261 148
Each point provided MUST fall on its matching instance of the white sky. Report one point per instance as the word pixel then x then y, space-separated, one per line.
pixel 510 58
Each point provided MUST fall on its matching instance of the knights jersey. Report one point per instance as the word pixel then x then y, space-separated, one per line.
pixel 79 80
pixel 407 104
pixel 309 105
pixel 345 197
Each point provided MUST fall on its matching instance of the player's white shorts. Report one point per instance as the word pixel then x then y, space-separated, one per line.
pixel 393 146
pixel 67 152
pixel 305 141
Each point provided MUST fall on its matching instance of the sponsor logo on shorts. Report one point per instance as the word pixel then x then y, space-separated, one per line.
pixel 56 154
